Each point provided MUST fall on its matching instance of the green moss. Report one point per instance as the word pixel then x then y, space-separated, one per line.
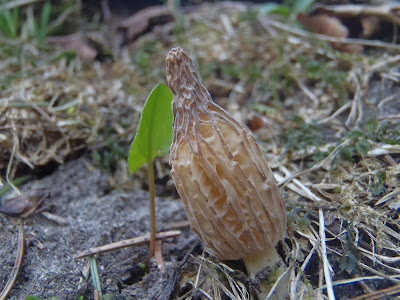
pixel 107 157
pixel 271 277
pixel 303 135
pixel 378 187
pixel 319 69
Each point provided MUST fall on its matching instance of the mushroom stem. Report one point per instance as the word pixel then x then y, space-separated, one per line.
pixel 270 261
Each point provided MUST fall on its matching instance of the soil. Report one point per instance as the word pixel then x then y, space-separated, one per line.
pixel 92 215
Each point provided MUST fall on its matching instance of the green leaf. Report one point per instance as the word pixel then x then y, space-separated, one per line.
pixel 348 262
pixel 356 134
pixel 378 187
pixel 381 176
pixel 371 126
pixel 154 134
pixel 337 190
pixel 391 141
pixel 362 146
pixel 346 153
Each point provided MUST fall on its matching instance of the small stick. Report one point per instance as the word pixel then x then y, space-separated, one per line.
pixel 158 256
pixel 17 264
pixel 127 243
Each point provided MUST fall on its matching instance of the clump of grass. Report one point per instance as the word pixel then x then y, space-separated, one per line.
pixel 13 24
pixel 9 21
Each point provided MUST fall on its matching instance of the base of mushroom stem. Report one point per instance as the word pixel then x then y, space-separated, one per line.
pixel 267 266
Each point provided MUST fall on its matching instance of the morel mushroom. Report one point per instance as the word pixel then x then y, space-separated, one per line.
pixel 230 194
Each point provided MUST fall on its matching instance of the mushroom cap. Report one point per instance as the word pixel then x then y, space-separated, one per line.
pixel 230 194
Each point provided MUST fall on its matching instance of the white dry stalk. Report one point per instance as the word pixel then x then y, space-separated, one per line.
pixel 388 197
pixel 307 91
pixel 358 279
pixel 355 115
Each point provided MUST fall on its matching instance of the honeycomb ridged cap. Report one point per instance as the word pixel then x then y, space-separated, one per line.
pixel 229 191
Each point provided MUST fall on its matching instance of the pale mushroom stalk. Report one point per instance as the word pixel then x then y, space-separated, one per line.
pixel 229 191
pixel 270 260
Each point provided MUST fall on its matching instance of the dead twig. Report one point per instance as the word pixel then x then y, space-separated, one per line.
pixel 158 256
pixel 127 243
pixel 17 264
pixel 299 32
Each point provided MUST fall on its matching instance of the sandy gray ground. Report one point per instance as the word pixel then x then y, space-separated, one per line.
pixel 94 215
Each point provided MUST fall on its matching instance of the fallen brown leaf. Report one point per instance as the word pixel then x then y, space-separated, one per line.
pixel 388 10
pixel 77 42
pixel 24 205
pixel 144 19
pixel 324 24
pixel 256 123
pixel 371 25
pixel 330 26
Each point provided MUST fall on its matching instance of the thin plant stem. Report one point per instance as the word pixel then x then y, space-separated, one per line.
pixel 150 172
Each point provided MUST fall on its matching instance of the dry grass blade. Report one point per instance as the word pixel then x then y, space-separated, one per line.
pixel 381 294
pixel 388 197
pixel 269 22
pixel 237 289
pixel 17 264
